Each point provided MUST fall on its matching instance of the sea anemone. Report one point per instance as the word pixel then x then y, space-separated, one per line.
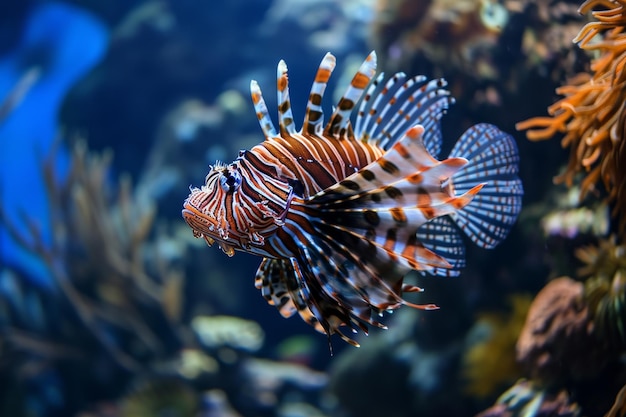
pixel 605 289
pixel 591 113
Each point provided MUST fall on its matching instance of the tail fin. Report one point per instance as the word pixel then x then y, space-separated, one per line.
pixel 493 160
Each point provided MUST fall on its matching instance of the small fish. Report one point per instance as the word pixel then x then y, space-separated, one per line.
pixel 340 214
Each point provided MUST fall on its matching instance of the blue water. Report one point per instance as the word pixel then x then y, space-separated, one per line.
pixel 60 42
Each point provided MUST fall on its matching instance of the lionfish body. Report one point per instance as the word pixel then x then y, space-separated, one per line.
pixel 341 214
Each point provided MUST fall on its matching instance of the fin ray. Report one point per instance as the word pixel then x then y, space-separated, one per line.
pixel 394 229
pixel 493 159
pixel 442 237
pixel 285 116
pixel 339 123
pixel 262 114
pixel 314 116
pixel 277 281
pixel 388 110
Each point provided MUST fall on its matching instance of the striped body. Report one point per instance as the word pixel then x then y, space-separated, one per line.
pixel 341 214
pixel 267 195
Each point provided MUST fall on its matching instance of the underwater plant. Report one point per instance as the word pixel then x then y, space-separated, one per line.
pixel 490 361
pixel 108 289
pixel 591 113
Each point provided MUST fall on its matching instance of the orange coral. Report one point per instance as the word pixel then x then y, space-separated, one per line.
pixel 591 113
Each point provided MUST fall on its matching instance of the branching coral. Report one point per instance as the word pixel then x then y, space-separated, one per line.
pixel 591 113
pixel 98 262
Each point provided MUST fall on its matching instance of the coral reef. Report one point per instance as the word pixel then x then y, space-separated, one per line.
pixel 571 338
pixel 488 50
pixel 558 331
pixel 526 399
pixel 574 335
pixel 591 113
pixel 129 318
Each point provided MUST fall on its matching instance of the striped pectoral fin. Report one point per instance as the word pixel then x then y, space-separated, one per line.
pixel 402 246
pixel 394 230
pixel 381 185
pixel 283 285
pixel 290 288
pixel 425 189
pixel 493 159
pixel 377 269
pixel 349 276
pixel 342 277
pixel 365 266
pixel 330 307
pixel 339 122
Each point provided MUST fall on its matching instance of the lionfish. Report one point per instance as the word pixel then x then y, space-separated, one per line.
pixel 340 214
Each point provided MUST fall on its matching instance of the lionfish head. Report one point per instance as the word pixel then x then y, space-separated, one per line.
pixel 222 211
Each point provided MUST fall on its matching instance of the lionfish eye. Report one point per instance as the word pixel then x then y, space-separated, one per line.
pixel 230 181
pixel 297 187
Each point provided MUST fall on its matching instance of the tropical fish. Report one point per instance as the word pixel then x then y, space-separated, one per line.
pixel 340 214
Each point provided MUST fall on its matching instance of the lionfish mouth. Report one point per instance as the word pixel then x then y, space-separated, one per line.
pixel 205 227
pixel 199 223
